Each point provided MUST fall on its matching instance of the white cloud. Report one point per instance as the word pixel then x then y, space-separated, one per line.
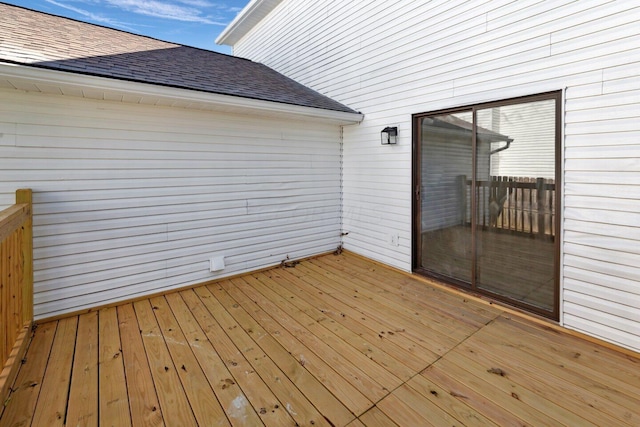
pixel 197 3
pixel 92 16
pixel 165 10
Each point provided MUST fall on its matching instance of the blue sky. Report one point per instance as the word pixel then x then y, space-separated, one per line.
pixel 190 22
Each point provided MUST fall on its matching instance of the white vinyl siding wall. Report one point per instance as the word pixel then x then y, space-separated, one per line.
pixel 391 59
pixel 132 199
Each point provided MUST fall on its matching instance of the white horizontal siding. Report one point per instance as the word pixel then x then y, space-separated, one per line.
pixel 395 58
pixel 134 199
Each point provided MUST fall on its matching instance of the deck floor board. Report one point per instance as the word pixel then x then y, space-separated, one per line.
pixel 28 383
pixel 403 319
pixel 334 341
pixel 141 392
pixel 114 405
pixel 224 333
pixel 226 390
pixel 83 392
pixel 363 323
pixel 323 343
pixel 321 389
pixel 57 377
pixel 175 405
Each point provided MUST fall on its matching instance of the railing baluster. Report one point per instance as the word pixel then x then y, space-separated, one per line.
pixel 531 211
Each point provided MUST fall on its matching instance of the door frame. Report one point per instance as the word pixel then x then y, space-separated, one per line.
pixel 416 251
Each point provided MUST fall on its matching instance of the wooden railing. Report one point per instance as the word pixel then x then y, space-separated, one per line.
pixel 16 288
pixel 515 204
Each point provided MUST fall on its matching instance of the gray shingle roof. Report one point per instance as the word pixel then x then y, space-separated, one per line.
pixel 41 40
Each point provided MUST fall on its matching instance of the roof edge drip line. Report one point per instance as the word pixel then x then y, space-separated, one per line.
pixel 201 100
pixel 246 19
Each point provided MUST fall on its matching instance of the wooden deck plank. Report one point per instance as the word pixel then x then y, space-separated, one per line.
pixel 403 413
pixel 411 322
pixel 216 324
pixel 113 398
pixel 345 346
pixel 452 404
pixel 305 336
pixel 173 400
pixel 51 409
pixel 356 423
pixel 299 341
pixel 536 386
pixel 351 397
pixel 320 396
pixel 83 394
pixel 294 401
pixel 495 398
pixel 369 324
pixel 22 401
pixel 231 397
pixel 606 372
pixel 470 312
pixel 431 314
pixel 363 310
pixel 594 395
pixel 198 391
pixel 346 328
pixel 427 409
pixel 577 355
pixel 389 303
pixel 376 418
pixel 453 306
pixel 458 385
pixel 143 400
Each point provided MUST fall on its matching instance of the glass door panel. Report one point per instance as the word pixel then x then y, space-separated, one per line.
pixel 515 212
pixel 445 207
pixel 486 200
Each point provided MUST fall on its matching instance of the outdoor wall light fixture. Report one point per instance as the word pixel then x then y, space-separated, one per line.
pixel 389 135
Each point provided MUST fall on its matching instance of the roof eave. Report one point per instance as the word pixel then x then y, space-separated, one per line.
pixel 35 79
pixel 248 18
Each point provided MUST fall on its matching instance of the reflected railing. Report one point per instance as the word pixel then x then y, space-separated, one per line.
pixel 522 205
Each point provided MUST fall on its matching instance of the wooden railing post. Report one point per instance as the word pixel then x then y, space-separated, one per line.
pixel 24 196
pixel 16 289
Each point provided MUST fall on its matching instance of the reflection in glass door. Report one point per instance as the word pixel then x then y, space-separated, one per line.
pixel 446 166
pixel 487 200
pixel 515 192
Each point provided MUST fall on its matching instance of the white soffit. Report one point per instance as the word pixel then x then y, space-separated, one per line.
pixel 32 79
pixel 248 18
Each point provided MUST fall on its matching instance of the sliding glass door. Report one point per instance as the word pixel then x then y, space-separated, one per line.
pixel 446 166
pixel 486 199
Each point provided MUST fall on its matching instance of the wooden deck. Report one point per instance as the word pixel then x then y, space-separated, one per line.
pixel 334 341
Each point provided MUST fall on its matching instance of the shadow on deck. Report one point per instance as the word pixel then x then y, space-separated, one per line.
pixel 337 340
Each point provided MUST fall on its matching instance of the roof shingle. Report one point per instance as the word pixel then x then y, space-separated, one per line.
pixel 38 39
